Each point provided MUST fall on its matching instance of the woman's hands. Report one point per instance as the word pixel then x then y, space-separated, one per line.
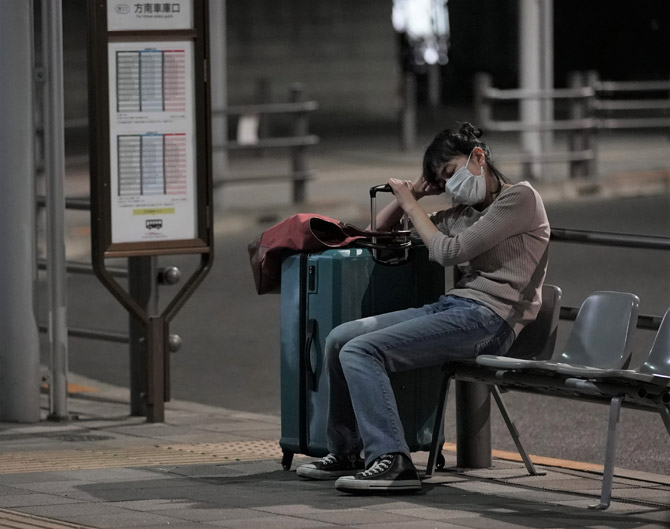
pixel 403 192
pixel 405 195
pixel 422 188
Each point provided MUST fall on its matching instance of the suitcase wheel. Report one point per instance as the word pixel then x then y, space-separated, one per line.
pixel 440 462
pixel 287 459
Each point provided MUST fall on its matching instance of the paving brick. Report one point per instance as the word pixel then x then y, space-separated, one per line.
pixel 119 521
pixel 272 523
pixel 208 512
pixel 25 500
pixel 63 512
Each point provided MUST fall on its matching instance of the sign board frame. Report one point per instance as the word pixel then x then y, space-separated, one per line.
pixel 151 183
pixel 176 168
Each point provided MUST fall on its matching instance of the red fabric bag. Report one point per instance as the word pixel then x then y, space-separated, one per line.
pixel 300 232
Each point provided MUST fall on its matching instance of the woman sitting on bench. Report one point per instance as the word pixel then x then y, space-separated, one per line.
pixel 497 234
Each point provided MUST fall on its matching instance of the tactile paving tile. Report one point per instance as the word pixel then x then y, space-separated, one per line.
pixel 164 454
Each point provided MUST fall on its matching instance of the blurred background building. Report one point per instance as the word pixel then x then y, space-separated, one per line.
pixel 350 58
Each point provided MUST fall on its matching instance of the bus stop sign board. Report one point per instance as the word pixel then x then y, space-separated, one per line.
pixel 151 178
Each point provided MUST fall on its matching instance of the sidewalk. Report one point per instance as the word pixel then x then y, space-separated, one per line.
pixel 215 467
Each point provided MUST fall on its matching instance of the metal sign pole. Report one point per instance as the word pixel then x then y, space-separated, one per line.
pixel 157 349
pixel 151 175
pixel 140 285
pixel 54 169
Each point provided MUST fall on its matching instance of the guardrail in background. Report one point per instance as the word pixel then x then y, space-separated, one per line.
pixel 621 240
pixel 649 104
pixel 592 106
pixel 580 154
pixel 298 143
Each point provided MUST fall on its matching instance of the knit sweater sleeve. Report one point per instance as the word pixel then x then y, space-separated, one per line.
pixel 512 213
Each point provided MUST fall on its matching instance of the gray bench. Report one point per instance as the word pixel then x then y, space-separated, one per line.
pixel 591 366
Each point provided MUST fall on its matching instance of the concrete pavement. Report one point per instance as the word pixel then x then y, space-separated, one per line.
pixel 216 467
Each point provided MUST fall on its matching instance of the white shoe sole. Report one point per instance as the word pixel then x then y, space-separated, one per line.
pixel 309 472
pixel 349 484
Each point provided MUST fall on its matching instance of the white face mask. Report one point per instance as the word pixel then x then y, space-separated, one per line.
pixel 465 187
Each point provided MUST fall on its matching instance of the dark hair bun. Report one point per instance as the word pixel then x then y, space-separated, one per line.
pixel 470 131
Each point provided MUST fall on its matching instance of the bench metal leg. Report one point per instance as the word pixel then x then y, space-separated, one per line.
pixel 514 433
pixel 439 419
pixel 665 415
pixel 610 452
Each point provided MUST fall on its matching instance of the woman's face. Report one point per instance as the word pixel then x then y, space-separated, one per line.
pixel 447 169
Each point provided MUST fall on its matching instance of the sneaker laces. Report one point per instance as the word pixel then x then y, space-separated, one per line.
pixel 381 465
pixel 329 459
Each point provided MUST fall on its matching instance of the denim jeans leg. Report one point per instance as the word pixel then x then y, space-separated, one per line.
pixel 343 437
pixel 451 329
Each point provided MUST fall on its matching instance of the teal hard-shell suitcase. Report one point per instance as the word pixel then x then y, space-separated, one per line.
pixel 318 292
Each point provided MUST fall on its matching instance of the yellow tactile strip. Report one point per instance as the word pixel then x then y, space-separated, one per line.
pixel 19 520
pixel 85 458
pixel 538 460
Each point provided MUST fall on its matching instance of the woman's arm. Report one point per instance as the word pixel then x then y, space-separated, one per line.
pixel 390 216
pixel 513 213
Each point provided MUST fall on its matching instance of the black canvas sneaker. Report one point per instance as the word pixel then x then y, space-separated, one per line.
pixel 390 472
pixel 331 467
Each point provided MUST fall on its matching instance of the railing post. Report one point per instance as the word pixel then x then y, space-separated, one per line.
pixel 591 79
pixel 298 162
pixel 219 85
pixel 577 139
pixel 263 96
pixel 482 105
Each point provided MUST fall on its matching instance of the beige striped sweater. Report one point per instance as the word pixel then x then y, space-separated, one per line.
pixel 502 252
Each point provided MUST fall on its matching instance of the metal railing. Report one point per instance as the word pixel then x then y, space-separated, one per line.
pixel 614 108
pixel 297 143
pixel 592 105
pixel 581 154
pixel 620 240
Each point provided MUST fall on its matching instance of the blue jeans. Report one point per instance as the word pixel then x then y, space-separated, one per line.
pixel 361 353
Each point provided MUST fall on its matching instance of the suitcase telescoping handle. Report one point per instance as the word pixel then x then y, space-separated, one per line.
pixel 383 188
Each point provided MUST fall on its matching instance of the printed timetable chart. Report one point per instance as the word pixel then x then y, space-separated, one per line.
pixel 152 143
pixel 152 164
pixel 151 81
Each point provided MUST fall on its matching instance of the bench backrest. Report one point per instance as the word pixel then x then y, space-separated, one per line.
pixel 602 332
pixel 538 339
pixel 658 362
